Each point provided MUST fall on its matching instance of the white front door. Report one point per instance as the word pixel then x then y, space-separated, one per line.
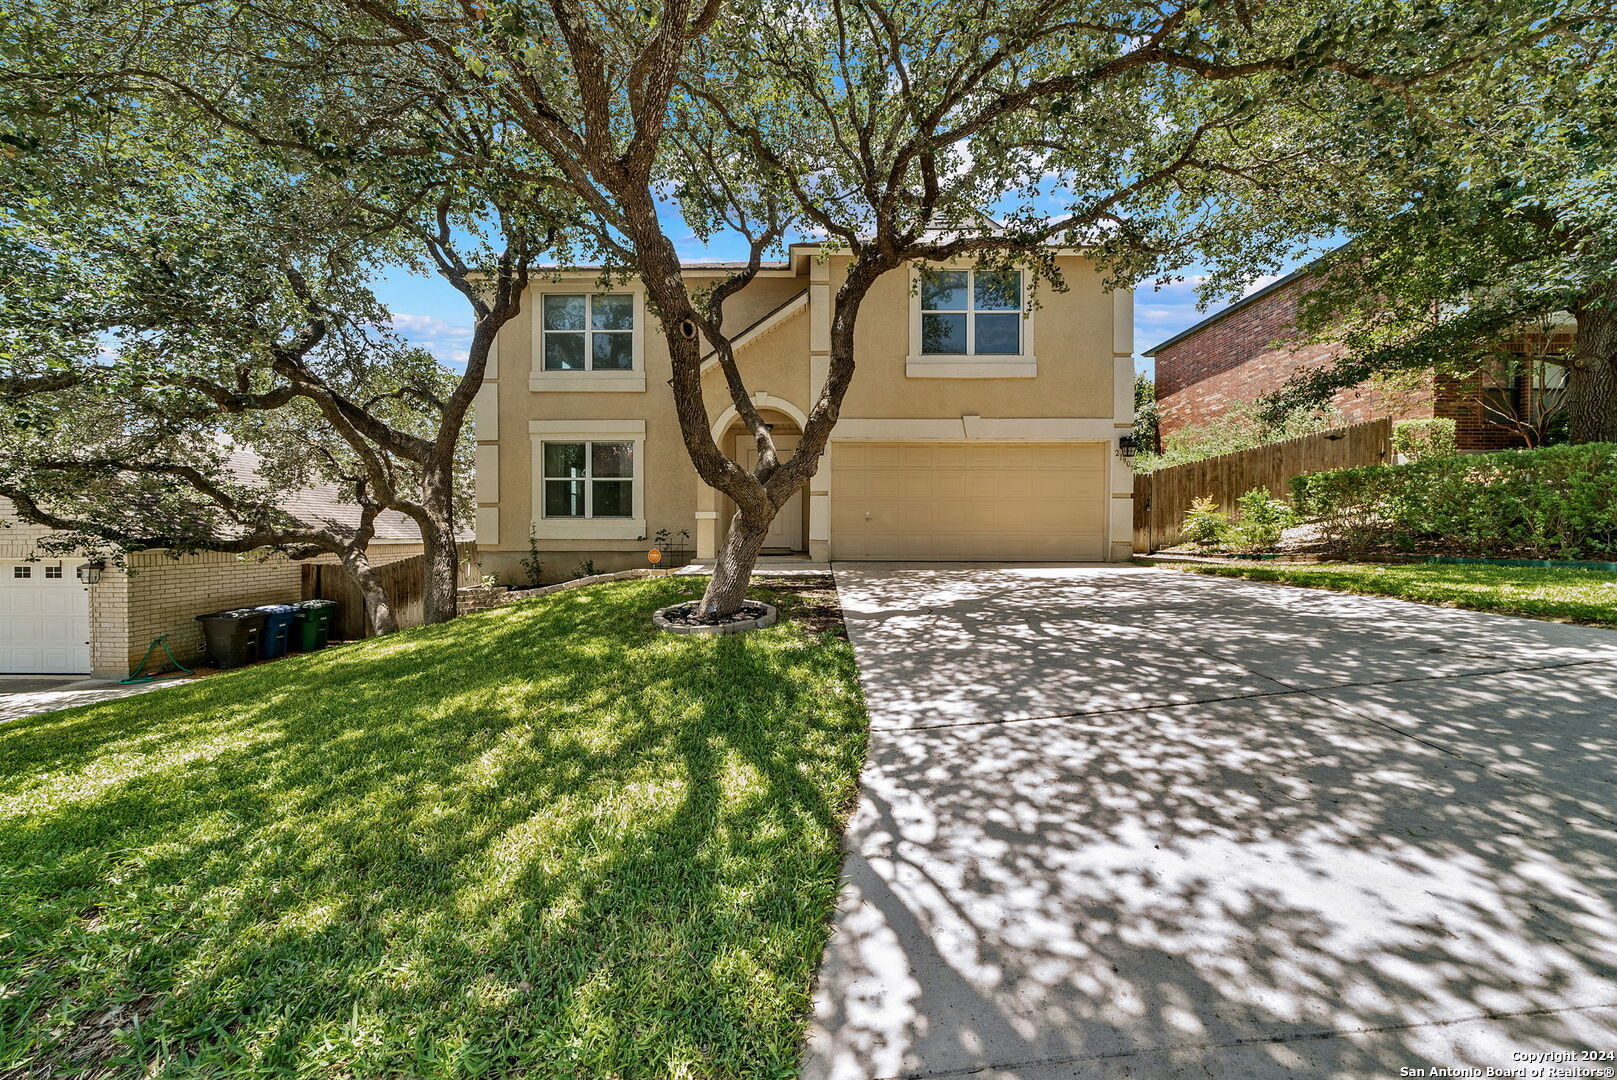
pixel 786 531
pixel 44 620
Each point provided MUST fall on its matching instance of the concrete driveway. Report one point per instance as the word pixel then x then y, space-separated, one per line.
pixel 1121 822
pixel 30 695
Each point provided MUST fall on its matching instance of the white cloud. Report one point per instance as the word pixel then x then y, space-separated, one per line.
pixel 430 326
pixel 445 340
pixel 1261 283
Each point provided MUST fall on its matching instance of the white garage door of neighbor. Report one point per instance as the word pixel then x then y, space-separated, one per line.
pixel 969 501
pixel 44 620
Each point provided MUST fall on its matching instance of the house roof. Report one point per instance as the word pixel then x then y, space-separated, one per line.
pixel 760 326
pixel 324 504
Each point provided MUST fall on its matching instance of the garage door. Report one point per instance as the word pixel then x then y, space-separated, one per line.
pixel 969 501
pixel 44 620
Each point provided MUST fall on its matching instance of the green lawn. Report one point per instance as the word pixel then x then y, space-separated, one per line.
pixel 541 841
pixel 1582 596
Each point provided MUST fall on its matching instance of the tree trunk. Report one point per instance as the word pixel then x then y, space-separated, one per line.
pixel 732 571
pixel 1591 389
pixel 382 617
pixel 439 602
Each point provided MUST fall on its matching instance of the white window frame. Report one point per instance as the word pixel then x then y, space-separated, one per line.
pixel 586 380
pixel 22 573
pixel 588 431
pixel 969 365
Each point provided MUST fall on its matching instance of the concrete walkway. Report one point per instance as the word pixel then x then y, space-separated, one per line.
pixel 30 695
pixel 1123 822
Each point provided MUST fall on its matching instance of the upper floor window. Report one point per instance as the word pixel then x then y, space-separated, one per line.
pixel 971 312
pixel 588 332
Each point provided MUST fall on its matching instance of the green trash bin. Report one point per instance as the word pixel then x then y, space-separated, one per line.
pixel 311 625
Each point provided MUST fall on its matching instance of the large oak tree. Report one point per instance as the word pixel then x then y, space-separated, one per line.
pixel 885 127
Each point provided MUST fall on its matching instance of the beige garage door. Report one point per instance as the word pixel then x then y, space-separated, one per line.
pixel 969 501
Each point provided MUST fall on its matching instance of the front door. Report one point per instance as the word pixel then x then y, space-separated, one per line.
pixel 786 531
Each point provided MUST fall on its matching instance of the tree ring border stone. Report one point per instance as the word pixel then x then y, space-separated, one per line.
pixel 659 619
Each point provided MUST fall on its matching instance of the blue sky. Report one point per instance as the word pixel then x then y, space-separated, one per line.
pixel 434 316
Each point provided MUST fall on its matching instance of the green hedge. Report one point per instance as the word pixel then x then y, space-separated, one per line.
pixel 1556 503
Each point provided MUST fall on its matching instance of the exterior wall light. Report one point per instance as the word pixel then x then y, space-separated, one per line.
pixel 1128 446
pixel 90 572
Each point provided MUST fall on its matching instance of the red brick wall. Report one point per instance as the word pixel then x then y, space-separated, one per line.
pixel 1235 360
pixel 1459 397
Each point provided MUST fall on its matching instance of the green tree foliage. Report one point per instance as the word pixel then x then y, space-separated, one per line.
pixel 1147 415
pixel 884 127
pixel 226 253
pixel 1474 213
pixel 1244 427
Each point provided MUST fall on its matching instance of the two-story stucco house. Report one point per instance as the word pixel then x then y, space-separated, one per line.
pixel 982 423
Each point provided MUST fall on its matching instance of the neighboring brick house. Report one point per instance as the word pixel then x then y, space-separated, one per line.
pixel 1237 355
pixel 50 623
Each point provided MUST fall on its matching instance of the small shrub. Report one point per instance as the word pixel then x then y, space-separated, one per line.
pixel 1422 440
pixel 586 568
pixel 1205 525
pixel 1261 520
pixel 530 562
pixel 1558 502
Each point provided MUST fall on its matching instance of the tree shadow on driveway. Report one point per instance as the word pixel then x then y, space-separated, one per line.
pixel 1417 869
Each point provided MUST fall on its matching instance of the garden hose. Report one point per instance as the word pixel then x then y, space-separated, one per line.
pixel 135 677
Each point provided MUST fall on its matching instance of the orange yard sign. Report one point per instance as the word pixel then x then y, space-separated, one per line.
pixel 655 556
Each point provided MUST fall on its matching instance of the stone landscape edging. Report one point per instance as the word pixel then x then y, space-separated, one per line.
pixel 770 616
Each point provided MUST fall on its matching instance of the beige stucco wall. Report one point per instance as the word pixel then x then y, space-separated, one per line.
pixel 1071 338
pixel 1084 371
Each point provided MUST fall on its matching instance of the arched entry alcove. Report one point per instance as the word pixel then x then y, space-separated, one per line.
pixel 789 533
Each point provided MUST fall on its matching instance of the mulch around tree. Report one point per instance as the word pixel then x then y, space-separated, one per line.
pixel 809 600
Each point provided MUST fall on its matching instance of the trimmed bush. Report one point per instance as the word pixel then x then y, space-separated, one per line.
pixel 1559 502
pixel 1418 440
pixel 1261 520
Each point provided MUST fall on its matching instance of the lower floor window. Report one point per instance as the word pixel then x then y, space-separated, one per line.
pixel 589 479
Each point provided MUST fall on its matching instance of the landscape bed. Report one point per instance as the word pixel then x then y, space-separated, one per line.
pixel 544 840
pixel 1564 595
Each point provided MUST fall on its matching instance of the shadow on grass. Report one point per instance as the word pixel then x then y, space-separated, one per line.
pixel 542 839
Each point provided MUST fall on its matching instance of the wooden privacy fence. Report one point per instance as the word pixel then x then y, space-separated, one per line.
pixel 404 582
pixel 1162 497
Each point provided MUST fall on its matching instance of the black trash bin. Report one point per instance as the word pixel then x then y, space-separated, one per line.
pixel 232 638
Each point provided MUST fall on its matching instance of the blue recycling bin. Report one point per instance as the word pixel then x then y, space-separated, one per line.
pixel 277 635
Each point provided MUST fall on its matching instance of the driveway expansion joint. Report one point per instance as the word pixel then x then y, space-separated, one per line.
pixel 1289 690
pixel 1256 1040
